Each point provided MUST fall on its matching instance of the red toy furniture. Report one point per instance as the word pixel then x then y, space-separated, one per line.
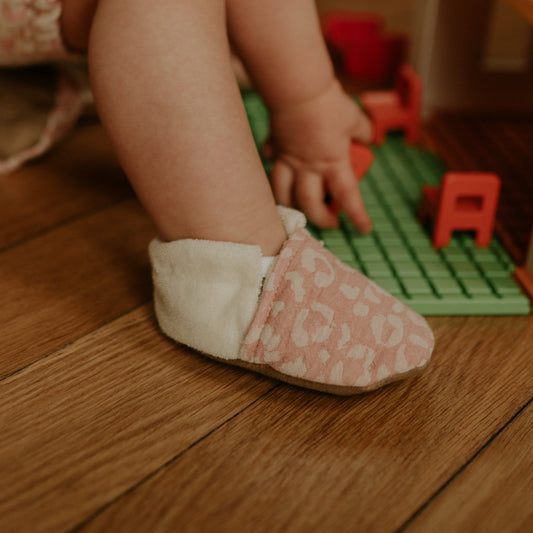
pixel 397 109
pixel 342 28
pixel 464 201
pixel 365 50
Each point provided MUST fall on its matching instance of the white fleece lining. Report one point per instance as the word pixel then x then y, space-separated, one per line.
pixel 266 265
pixel 206 292
pixel 291 219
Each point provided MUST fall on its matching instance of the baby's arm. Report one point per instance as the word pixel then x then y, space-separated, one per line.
pixel 313 121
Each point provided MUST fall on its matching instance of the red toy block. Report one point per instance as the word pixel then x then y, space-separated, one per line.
pixel 366 51
pixel 361 158
pixel 464 201
pixel 525 278
pixel 397 109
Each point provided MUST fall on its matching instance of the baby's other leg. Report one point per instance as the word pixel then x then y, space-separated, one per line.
pixel 166 92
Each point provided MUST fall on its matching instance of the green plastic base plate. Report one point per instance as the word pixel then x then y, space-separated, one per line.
pixel 460 279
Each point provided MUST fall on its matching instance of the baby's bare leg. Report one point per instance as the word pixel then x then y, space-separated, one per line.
pixel 164 86
pixel 165 91
pixel 312 120
pixel 282 47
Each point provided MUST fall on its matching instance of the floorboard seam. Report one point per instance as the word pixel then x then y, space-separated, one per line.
pixel 147 477
pixel 448 482
pixel 61 348
pixel 66 222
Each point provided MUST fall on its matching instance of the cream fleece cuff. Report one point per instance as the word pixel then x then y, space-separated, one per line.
pixel 206 293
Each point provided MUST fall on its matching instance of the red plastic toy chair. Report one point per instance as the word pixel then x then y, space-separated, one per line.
pixel 464 201
pixel 397 109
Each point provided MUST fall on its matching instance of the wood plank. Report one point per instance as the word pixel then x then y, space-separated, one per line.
pixel 300 461
pixel 80 176
pixel 65 283
pixel 492 494
pixel 86 424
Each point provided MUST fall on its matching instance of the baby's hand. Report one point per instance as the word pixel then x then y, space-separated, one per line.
pixel 310 144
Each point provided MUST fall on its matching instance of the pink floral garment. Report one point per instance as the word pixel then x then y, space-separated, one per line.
pixel 321 321
pixel 70 101
pixel 30 33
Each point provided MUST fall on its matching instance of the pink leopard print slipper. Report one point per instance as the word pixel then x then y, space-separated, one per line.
pixel 319 323
pixel 323 325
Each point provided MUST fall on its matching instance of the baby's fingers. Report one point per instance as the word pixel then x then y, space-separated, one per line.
pixel 281 180
pixel 362 129
pixel 310 193
pixel 344 188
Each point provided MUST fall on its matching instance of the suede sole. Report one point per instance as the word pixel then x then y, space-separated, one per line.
pixel 338 390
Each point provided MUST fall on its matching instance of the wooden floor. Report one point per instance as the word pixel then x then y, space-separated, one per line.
pixel 106 425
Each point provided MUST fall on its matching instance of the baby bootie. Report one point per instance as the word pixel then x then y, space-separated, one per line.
pixel 314 322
